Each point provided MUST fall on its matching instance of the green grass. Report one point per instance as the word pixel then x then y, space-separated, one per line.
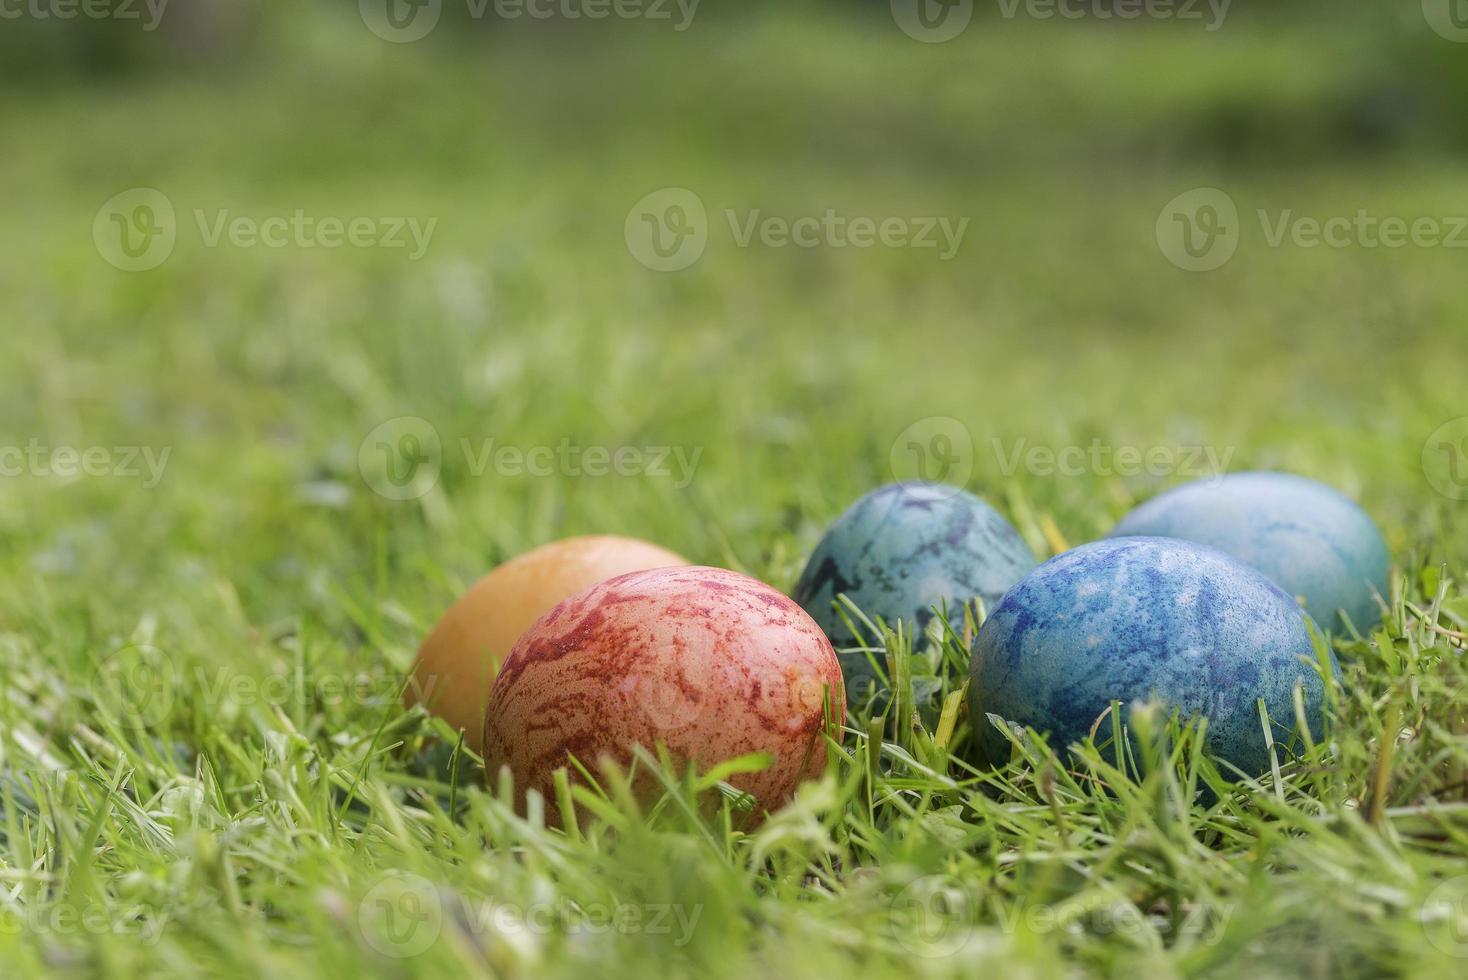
pixel 204 766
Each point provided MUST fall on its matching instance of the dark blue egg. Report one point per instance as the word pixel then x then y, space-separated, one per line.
pixel 1311 540
pixel 1131 619
pixel 899 552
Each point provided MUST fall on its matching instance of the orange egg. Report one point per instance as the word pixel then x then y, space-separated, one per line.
pixel 458 662
pixel 706 663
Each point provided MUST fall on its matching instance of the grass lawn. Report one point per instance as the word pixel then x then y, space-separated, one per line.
pixel 205 768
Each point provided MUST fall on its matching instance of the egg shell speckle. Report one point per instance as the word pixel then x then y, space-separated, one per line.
pixel 902 550
pixel 1309 539
pixel 1127 619
pixel 707 662
pixel 457 663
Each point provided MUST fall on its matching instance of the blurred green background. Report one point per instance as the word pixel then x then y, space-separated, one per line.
pixel 1059 320
pixel 793 371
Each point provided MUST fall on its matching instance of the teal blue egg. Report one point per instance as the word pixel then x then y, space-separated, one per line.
pixel 899 552
pixel 1136 619
pixel 1309 539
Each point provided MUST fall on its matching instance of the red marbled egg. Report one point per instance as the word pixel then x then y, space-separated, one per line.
pixel 457 663
pixel 709 663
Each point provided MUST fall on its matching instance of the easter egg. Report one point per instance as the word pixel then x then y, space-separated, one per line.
pixel 900 552
pixel 708 663
pixel 1131 619
pixel 458 661
pixel 1311 540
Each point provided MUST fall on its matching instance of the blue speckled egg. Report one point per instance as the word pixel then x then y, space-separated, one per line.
pixel 1128 619
pixel 1311 540
pixel 902 550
